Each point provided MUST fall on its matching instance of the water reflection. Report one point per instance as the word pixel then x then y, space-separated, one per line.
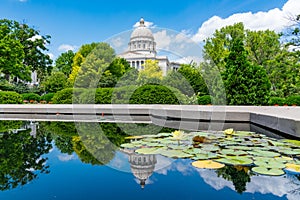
pixel 24 148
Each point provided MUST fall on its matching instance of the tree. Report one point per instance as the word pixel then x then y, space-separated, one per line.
pixel 294 31
pixel 245 83
pixel 64 62
pixel 112 74
pixel 151 73
pixel 194 77
pixel 95 64
pixel 29 44
pixel 79 58
pixel 55 82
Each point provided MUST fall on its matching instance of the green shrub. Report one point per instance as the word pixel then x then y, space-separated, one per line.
pixel 204 100
pixel 122 94
pixel 276 101
pixel 293 100
pixel 96 96
pixel 10 98
pixel 65 96
pixel 47 97
pixel 157 94
pixel 31 96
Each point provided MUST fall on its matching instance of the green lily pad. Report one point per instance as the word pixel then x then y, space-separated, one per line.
pixel 264 153
pixel 294 142
pixel 198 134
pixel 164 134
pixel 236 160
pixel 246 148
pixel 205 156
pixel 271 163
pixel 147 150
pixel 268 171
pixel 209 147
pixel 128 145
pixel 173 153
pixel 232 152
pixel 134 137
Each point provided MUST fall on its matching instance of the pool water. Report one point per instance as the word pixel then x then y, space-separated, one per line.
pixel 47 160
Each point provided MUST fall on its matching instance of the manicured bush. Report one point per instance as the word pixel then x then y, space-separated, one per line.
pixel 47 97
pixel 96 96
pixel 204 100
pixel 65 96
pixel 276 101
pixel 31 97
pixel 293 100
pixel 122 94
pixel 7 97
pixel 157 94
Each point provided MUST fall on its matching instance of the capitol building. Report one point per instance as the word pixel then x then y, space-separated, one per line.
pixel 142 47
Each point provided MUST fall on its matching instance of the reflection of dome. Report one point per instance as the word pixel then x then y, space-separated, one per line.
pixel 142 31
pixel 142 166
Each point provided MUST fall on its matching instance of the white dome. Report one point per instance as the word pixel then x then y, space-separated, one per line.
pixel 142 31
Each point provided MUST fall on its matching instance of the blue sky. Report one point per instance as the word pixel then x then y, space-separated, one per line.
pixel 72 23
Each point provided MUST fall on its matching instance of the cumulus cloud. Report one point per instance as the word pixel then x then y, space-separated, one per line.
pixel 163 40
pixel 36 37
pixel 66 157
pixel 67 47
pixel 274 19
pixel 147 24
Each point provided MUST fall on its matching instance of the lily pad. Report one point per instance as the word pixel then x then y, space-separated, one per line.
pixel 236 160
pixel 128 145
pixel 294 142
pixel 134 137
pixel 205 156
pixel 264 153
pixel 173 153
pixel 233 152
pixel 207 164
pixel 293 167
pixel 271 163
pixel 268 171
pixel 147 150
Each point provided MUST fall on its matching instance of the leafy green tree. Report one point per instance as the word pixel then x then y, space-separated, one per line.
pixel 195 79
pixel 294 31
pixel 94 65
pixel 177 80
pixel 128 78
pixel 64 62
pixel 24 49
pixel 79 58
pixel 151 73
pixel 245 83
pixel 116 69
pixel 55 82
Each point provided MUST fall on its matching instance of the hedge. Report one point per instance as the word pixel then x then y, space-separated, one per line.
pixel 31 96
pixel 65 96
pixel 147 94
pixel 47 97
pixel 204 100
pixel 293 100
pixel 276 101
pixel 157 94
pixel 8 97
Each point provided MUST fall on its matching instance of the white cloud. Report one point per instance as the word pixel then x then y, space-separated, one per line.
pixel 147 24
pixel 66 157
pixel 67 47
pixel 162 39
pixel 51 55
pixel 274 19
pixel 36 37
pixel 117 42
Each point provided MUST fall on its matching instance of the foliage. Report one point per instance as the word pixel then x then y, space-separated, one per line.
pixel 293 100
pixel 67 96
pixel 177 80
pixel 246 84
pixel 276 101
pixel 21 158
pixel 94 65
pixel 79 58
pixel 10 98
pixel 112 74
pixel 47 97
pixel 96 96
pixel 204 100
pixel 64 62
pixel 151 73
pixel 24 50
pixel 55 82
pixel 194 77
pixel 157 94
pixel 7 126
pixel 31 96
pixel 129 78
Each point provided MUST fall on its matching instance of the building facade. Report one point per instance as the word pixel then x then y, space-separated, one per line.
pixel 142 47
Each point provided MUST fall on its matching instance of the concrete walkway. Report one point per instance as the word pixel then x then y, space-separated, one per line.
pixel 282 118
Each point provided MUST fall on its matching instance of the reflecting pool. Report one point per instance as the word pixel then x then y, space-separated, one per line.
pixel 63 160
